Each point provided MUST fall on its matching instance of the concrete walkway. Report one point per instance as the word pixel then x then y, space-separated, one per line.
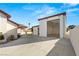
pixel 37 46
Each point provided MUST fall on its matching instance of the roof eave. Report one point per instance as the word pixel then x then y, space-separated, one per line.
pixel 8 16
pixel 64 13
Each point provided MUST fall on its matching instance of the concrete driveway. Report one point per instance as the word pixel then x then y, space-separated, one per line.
pixel 37 46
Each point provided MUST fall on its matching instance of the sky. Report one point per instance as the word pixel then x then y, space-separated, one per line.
pixel 25 13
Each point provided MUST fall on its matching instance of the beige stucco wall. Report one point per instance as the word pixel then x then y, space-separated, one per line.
pixel 6 27
pixel 35 31
pixel 3 22
pixel 74 37
pixel 43 28
pixel 62 26
pixel 22 31
pixel 3 26
pixel 11 29
pixel 19 30
pixel 67 35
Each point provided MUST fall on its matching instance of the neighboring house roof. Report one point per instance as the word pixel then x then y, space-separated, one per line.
pixel 22 26
pixel 29 30
pixel 64 13
pixel 5 13
pixel 35 26
pixel 13 22
pixel 18 25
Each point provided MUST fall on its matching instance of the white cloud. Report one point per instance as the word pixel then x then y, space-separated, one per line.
pixel 44 10
pixel 29 7
pixel 41 16
pixel 73 4
pixel 71 10
pixel 50 11
pixel 68 5
pixel 46 13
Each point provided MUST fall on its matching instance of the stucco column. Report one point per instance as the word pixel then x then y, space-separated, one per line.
pixel 62 26
pixel 43 28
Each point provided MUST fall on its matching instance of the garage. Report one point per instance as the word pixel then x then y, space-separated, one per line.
pixel 53 26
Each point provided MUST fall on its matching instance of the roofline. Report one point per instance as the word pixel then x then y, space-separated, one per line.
pixel 13 22
pixel 64 13
pixel 5 13
pixel 18 25
pixel 36 26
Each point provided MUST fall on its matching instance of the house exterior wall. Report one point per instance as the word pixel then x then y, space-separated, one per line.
pixel 3 22
pixel 21 31
pixel 3 26
pixel 43 28
pixel 62 26
pixel 29 31
pixel 11 29
pixel 74 37
pixel 35 30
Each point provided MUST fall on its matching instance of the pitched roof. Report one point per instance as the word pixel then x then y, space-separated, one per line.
pixel 64 13
pixel 22 26
pixel 13 22
pixel 5 13
pixel 35 26
pixel 18 25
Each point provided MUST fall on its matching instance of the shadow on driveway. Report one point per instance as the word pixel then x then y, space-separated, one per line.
pixel 27 40
pixel 63 47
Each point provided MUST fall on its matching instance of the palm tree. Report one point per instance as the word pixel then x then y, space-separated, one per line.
pixel 29 25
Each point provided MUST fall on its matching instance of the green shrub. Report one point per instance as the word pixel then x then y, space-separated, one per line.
pixel 11 38
pixel 18 35
pixel 70 27
pixel 1 36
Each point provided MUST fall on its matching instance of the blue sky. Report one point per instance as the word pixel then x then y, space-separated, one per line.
pixel 30 12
